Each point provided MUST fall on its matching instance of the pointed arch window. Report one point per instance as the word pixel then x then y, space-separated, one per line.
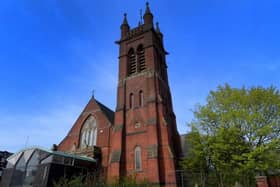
pixel 141 58
pixel 137 158
pixel 88 133
pixel 132 66
pixel 131 100
pixel 141 98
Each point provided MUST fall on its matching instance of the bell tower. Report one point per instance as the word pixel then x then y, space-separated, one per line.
pixel 145 142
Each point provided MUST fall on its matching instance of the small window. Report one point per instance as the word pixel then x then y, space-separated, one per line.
pixel 137 125
pixel 141 98
pixel 137 158
pixel 131 100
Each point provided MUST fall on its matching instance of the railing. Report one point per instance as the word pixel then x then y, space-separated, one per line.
pixel 135 31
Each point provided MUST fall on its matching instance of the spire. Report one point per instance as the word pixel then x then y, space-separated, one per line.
pixel 92 94
pixel 124 26
pixel 148 16
pixel 158 31
pixel 125 22
pixel 140 21
pixel 148 11
pixel 157 27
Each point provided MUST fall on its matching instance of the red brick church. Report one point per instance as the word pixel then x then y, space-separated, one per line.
pixel 140 138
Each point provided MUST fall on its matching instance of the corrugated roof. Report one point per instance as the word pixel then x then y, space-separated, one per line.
pixel 59 153
pixel 73 156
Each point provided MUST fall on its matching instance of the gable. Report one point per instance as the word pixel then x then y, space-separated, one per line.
pixel 104 117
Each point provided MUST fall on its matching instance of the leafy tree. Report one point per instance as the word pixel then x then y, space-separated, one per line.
pixel 240 129
pixel 197 162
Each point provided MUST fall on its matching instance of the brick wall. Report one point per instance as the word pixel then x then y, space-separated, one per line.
pixel 270 181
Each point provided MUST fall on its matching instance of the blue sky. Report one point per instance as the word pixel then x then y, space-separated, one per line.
pixel 54 52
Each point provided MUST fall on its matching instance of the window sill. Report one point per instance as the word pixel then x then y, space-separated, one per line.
pixel 138 171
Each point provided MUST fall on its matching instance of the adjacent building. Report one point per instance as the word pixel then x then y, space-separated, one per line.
pixel 3 161
pixel 37 167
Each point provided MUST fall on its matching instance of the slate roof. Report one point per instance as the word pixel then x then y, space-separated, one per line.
pixel 107 111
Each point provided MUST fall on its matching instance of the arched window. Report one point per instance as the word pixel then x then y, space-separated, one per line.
pixel 131 100
pixel 137 158
pixel 141 58
pixel 141 98
pixel 131 62
pixel 88 133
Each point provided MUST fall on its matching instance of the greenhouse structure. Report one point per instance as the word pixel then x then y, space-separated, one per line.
pixel 37 167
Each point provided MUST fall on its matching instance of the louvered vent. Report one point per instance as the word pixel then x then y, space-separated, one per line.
pixel 132 63
pixel 141 59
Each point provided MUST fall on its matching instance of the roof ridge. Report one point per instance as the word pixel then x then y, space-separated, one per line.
pixel 110 114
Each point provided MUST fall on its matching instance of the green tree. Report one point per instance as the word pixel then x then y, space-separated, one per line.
pixel 240 129
pixel 197 162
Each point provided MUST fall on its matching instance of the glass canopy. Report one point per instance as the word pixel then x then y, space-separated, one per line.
pixel 40 167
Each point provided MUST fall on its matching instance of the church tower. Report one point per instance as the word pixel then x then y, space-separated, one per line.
pixel 144 141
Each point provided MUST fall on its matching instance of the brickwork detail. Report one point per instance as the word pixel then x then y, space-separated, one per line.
pixel 116 156
pixel 118 128
pixel 152 151
pixel 152 121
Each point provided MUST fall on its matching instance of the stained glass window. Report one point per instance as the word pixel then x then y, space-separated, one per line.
pixel 88 133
